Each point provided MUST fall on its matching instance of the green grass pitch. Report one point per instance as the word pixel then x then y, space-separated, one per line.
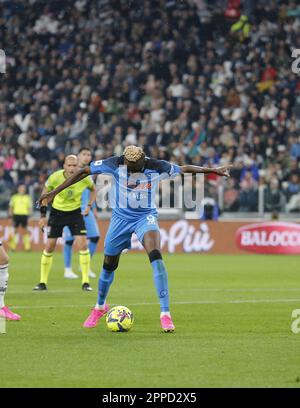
pixel 232 316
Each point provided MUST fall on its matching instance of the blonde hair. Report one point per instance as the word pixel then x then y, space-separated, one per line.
pixel 133 153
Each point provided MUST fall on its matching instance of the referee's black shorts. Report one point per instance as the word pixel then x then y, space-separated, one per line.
pixel 20 220
pixel 60 219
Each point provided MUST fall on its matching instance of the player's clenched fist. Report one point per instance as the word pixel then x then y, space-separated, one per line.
pixel 45 199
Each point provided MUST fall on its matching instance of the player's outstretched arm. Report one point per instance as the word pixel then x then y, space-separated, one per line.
pixel 220 171
pixel 79 175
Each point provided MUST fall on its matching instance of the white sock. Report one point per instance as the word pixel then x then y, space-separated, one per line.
pixel 3 283
pixel 165 314
pixel 68 270
pixel 99 307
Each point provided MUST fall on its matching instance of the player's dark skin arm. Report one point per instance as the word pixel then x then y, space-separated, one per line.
pixel 152 238
pixel 79 175
pixel 220 171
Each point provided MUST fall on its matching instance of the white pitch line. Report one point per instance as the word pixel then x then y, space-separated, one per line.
pixel 196 302
pixel 234 290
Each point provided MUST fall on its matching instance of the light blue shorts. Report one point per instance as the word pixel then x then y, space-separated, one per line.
pixel 119 232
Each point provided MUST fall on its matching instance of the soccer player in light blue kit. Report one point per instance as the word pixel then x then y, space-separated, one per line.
pixel 92 230
pixel 133 211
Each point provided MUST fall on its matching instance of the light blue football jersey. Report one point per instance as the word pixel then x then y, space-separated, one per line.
pixel 133 195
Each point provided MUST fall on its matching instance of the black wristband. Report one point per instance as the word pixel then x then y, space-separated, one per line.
pixel 43 210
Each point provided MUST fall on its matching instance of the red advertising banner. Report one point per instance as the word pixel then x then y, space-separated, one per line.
pixel 270 238
pixel 217 237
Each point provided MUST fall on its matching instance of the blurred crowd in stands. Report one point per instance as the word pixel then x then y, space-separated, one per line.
pixel 198 82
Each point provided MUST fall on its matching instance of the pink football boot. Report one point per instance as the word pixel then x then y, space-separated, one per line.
pixel 8 314
pixel 167 324
pixel 94 316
